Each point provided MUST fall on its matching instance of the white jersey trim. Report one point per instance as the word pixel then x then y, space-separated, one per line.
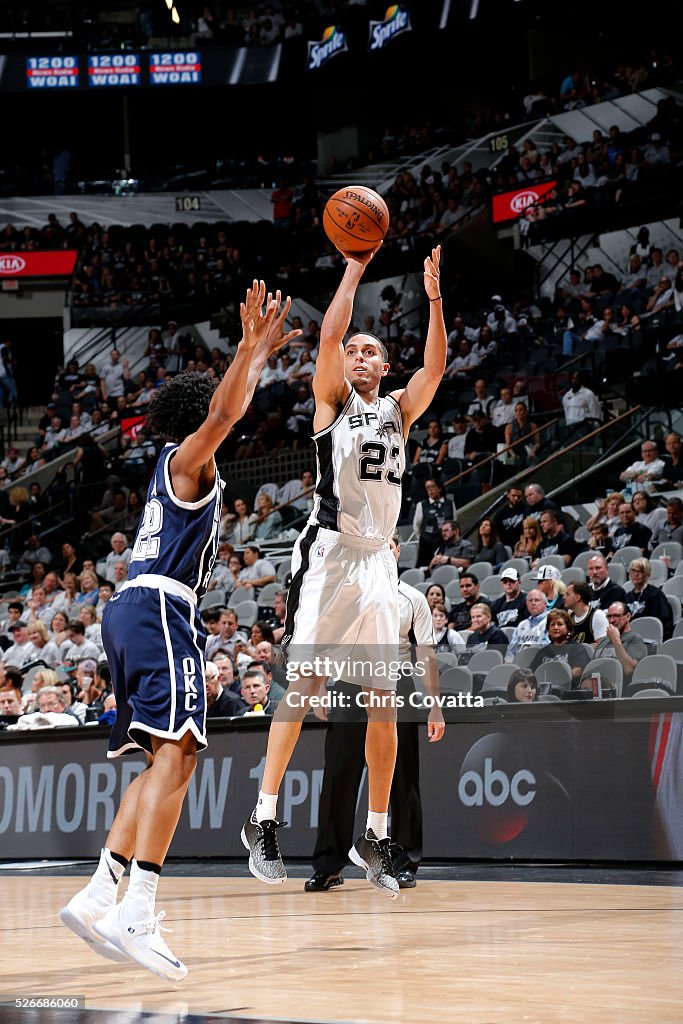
pixel 189 504
pixel 340 417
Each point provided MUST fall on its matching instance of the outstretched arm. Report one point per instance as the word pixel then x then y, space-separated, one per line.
pixel 192 467
pixel 421 388
pixel 329 383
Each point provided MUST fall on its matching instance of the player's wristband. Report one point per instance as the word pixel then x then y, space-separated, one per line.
pixel 436 299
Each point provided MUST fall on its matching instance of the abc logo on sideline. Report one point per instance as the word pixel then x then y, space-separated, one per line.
pixel 497 786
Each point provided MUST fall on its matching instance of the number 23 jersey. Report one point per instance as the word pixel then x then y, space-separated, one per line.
pixel 175 538
pixel 361 459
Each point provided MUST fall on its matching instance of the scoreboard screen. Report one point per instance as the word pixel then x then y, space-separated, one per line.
pixel 52 72
pixel 113 69
pixel 175 68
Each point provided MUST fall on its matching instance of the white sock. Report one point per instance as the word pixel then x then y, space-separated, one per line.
pixel 378 823
pixel 138 903
pixel 104 883
pixel 266 806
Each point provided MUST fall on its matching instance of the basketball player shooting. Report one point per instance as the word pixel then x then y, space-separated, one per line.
pixel 344 590
pixel 154 641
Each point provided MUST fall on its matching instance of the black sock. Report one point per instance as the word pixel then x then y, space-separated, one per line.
pixel 146 865
pixel 119 859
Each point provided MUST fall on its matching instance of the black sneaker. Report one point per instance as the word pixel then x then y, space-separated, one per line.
pixel 406 879
pixel 265 862
pixel 321 882
pixel 374 855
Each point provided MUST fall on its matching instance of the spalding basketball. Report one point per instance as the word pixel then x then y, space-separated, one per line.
pixel 355 219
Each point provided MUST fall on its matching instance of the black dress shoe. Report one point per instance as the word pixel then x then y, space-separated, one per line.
pixel 321 882
pixel 406 879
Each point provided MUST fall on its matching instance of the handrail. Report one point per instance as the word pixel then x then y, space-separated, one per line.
pixel 532 470
pixel 495 455
pixel 580 440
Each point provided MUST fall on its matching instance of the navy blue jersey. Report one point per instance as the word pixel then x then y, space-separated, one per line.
pixel 175 538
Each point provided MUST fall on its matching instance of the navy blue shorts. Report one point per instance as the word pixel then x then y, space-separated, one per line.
pixel 154 642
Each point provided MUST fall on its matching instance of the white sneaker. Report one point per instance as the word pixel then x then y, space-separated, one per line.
pixel 141 942
pixel 80 914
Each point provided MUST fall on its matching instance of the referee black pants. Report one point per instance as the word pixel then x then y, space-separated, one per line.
pixel 344 763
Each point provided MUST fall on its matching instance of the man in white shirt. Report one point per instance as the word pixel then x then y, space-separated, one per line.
pixel 464 363
pixel 120 552
pixel 13 461
pixel 257 572
pixel 112 376
pixel 580 403
pixel 19 654
pixel 482 400
pixel 503 411
pixel 456 441
pixel 646 469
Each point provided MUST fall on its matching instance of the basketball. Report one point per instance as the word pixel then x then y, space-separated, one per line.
pixel 355 219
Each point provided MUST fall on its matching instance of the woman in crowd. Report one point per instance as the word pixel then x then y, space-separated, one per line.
pixel 236 526
pixel 485 633
pixel 428 450
pixel 19 519
pixel 522 687
pixel 44 649
pixel 93 629
pixel 59 625
pixel 36 580
pixel 607 512
pixel 645 599
pixel 89 589
pixel 69 562
pixel 267 523
pixel 43 677
pixel 436 595
pixel 65 601
pixel 561 646
pixel 490 548
pixel 528 544
pixel 445 638
pixel 648 511
pixel 523 430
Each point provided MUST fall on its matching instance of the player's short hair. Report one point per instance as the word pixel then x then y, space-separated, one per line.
pixel 380 344
pixel 181 405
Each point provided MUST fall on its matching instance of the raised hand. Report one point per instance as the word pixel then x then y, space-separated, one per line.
pixel 276 337
pixel 432 276
pixel 363 258
pixel 256 323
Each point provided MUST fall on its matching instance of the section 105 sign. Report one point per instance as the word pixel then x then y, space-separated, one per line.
pixel 511 205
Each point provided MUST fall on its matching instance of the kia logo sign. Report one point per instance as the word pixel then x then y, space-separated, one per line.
pixel 522 200
pixel 12 264
pixel 510 205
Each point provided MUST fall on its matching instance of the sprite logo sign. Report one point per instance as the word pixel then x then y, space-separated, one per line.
pixel 332 43
pixel 396 21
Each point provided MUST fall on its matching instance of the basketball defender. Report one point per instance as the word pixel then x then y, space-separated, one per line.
pixel 154 641
pixel 344 591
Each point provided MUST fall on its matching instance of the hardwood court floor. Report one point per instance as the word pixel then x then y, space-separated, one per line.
pixel 475 952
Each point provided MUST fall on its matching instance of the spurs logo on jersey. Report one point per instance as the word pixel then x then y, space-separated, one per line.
pixel 361 459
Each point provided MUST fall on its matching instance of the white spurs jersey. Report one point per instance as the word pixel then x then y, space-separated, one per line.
pixel 361 459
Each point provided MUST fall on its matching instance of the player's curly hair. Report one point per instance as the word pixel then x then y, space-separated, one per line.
pixel 180 406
